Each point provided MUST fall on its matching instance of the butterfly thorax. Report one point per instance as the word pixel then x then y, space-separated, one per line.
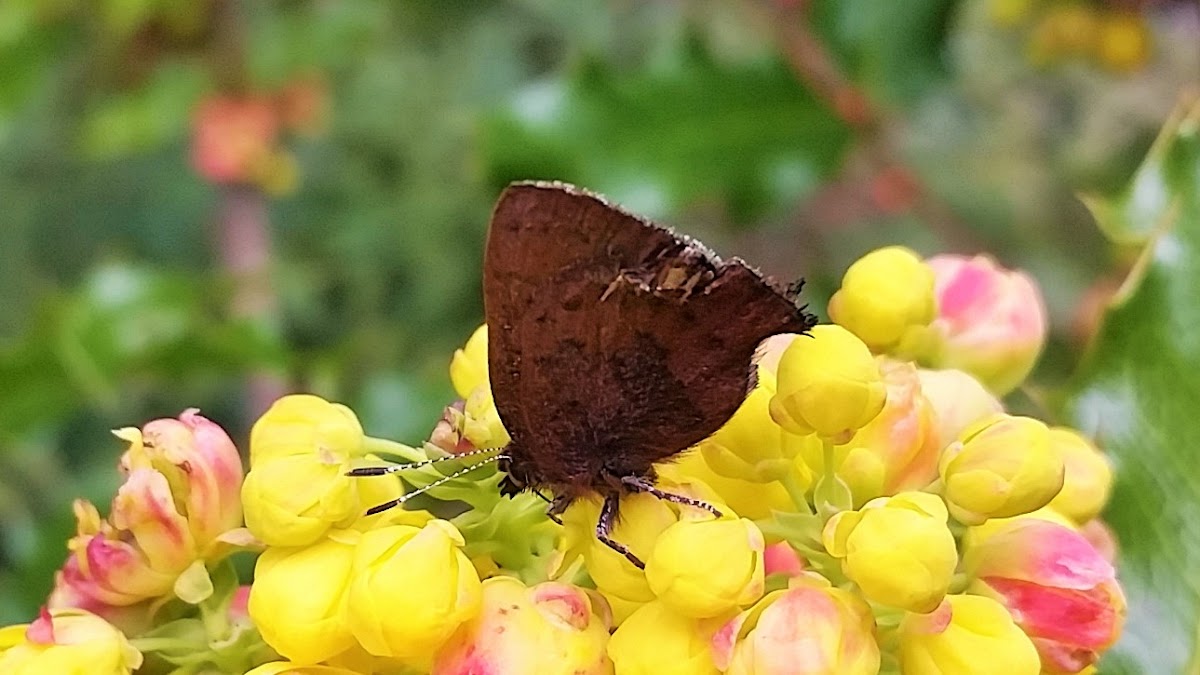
pixel 584 474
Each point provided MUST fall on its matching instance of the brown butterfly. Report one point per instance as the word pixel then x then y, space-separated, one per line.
pixel 614 343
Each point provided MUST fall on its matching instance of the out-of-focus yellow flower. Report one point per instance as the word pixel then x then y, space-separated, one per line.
pixel 302 424
pixel 702 567
pixel 293 501
pixel 66 642
pixel 643 518
pixel 549 628
pixel 469 366
pixel 289 668
pixel 747 498
pixel 298 595
pixel 898 449
pixel 809 629
pixel 885 296
pixel 958 401
pixel 1042 572
pixel 1124 41
pixel 991 321
pixel 410 589
pixel 655 640
pixel 897 549
pixel 828 383
pixel 1001 466
pixel 751 446
pixel 966 634
pixel 1088 478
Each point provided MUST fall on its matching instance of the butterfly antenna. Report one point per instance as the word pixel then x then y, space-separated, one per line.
pixel 441 481
pixel 393 468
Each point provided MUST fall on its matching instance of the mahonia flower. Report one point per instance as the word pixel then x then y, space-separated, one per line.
pixel 480 421
pixel 897 549
pixel 298 596
pixel 178 508
pixel 781 558
pixel 991 322
pixel 958 401
pixel 409 589
pixel 644 518
pixel 751 446
pixel 886 296
pixel 747 498
pixel 828 384
pixel 965 634
pixel 66 642
pixel 809 629
pixel 1061 590
pixel 702 567
pixel 1001 466
pixel 550 628
pixel 655 640
pixel 297 488
pixel 898 449
pixel 1088 478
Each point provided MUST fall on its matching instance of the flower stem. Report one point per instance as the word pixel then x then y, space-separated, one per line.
pixel 383 446
pixel 796 491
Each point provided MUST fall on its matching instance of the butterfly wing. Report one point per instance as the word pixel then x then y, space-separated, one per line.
pixel 614 343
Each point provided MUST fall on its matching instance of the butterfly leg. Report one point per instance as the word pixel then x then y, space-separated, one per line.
pixel 557 506
pixel 604 528
pixel 639 484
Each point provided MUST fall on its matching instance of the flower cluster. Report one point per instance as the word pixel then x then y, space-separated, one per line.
pixel 881 512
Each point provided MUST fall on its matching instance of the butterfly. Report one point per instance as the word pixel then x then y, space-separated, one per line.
pixel 614 343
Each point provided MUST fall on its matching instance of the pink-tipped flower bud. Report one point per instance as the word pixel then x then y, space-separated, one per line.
pixel 1062 592
pixel 991 321
pixel 551 628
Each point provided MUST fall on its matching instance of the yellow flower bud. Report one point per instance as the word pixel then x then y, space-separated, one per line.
pixel 302 424
pixel 828 383
pixel 288 668
pixel 897 549
pixel 469 367
pixel 549 628
pixel 705 567
pixel 66 642
pixel 747 498
pixel 885 295
pixel 293 501
pixel 966 634
pixel 1088 478
pixel 958 401
pixel 751 446
pixel 655 640
pixel 809 629
pixel 410 589
pixel 297 598
pixel 898 450
pixel 1001 466
pixel 643 518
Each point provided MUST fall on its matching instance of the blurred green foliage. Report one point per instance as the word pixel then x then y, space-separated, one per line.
pixel 726 119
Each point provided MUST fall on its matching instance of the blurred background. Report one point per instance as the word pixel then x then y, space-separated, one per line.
pixel 207 203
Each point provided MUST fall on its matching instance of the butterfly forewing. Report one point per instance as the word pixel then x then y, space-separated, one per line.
pixel 614 343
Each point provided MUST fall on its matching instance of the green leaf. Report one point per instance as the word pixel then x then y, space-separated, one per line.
pixel 1137 393
pixel 747 134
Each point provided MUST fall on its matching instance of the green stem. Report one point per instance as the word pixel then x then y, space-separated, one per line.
pixel 383 446
pixel 827 451
pixel 796 491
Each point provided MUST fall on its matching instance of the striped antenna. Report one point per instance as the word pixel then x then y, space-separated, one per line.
pixel 393 468
pixel 422 490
